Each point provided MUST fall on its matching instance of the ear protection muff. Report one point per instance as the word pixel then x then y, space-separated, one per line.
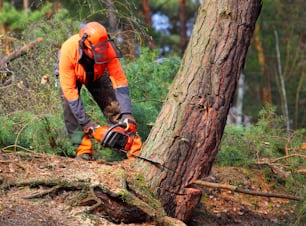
pixel 82 40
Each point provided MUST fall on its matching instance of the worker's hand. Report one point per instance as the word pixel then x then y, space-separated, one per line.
pixel 96 131
pixel 89 127
pixel 99 132
pixel 130 123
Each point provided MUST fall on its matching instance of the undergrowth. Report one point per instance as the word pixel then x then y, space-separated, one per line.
pixel 267 145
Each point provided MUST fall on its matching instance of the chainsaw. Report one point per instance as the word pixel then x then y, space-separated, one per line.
pixel 119 137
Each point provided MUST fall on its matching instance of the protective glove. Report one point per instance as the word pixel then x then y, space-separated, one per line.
pixel 89 127
pixel 96 131
pixel 130 122
pixel 99 132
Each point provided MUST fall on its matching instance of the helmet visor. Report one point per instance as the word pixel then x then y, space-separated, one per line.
pixel 105 51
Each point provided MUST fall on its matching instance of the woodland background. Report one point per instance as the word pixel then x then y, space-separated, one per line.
pixel 266 125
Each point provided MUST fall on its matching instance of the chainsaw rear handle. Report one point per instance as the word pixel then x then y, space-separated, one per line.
pixel 123 125
pixel 129 125
pixel 120 124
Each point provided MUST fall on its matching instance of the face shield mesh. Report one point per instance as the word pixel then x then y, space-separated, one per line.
pixel 105 51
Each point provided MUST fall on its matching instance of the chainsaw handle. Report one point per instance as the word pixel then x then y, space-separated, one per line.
pixel 123 125
pixel 129 125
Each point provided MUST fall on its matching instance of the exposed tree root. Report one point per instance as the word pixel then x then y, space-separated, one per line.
pixel 42 194
pixel 98 189
pixel 91 197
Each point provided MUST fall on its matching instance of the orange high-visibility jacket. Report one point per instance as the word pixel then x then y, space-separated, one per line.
pixel 71 71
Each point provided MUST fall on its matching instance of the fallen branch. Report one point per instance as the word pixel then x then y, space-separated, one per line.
pixel 245 191
pixel 301 171
pixel 15 146
pixel 19 52
pixel 288 156
pixel 276 168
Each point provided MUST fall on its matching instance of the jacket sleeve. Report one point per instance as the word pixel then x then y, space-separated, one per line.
pixel 67 63
pixel 120 84
pixel 123 97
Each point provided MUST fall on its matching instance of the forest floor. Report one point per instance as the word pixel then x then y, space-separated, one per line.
pixel 218 207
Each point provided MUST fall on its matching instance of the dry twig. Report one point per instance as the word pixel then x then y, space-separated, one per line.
pixel 19 52
pixel 245 191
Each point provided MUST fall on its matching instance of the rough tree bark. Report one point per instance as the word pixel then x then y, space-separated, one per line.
pixel 188 131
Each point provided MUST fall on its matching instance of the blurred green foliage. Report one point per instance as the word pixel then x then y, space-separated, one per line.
pixel 242 146
pixel 286 17
pixel 266 144
pixel 267 139
pixel 15 19
pixel 149 78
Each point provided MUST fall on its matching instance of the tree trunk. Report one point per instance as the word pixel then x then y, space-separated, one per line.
pixel 112 18
pixel 148 19
pixel 183 30
pixel 25 5
pixel 56 6
pixel 188 131
pixel 147 12
pixel 266 86
pixel 239 102
pixel 282 82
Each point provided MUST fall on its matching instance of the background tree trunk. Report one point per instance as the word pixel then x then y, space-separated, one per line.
pixel 147 12
pixel 25 4
pixel 282 82
pixel 56 5
pixel 112 18
pixel 148 19
pixel 266 84
pixel 239 101
pixel 183 30
pixel 188 131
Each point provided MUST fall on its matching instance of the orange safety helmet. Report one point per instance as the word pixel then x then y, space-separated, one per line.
pixel 95 37
pixel 92 33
